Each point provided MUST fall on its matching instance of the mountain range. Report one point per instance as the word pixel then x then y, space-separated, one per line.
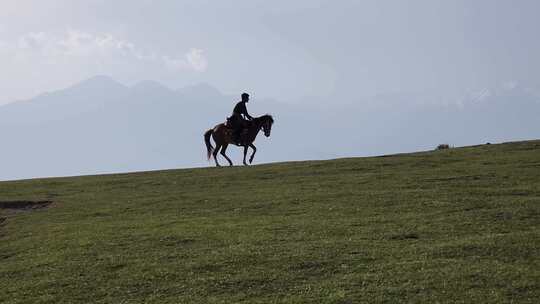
pixel 102 126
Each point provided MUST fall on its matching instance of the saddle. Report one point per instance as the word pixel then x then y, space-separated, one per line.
pixel 233 123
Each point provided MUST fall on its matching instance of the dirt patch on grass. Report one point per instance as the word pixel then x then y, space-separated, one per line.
pixel 404 236
pixel 24 205
pixel 11 208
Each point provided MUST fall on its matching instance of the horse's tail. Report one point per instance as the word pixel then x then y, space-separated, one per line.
pixel 209 148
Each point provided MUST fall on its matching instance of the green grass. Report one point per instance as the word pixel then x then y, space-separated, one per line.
pixel 450 226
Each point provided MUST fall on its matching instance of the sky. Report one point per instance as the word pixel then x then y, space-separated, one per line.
pixel 347 78
pixel 311 52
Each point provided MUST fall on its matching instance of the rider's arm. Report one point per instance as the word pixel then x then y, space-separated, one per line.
pixel 245 112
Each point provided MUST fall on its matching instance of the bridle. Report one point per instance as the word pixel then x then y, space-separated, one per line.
pixel 267 127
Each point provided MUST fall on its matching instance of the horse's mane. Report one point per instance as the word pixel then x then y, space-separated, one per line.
pixel 266 117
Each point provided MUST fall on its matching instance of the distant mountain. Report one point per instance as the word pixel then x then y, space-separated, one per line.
pixel 100 125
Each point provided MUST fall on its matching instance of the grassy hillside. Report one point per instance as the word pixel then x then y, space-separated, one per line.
pixel 458 225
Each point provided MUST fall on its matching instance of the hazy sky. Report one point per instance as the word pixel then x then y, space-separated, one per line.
pixel 287 50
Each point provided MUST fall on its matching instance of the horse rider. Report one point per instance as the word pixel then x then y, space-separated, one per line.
pixel 240 117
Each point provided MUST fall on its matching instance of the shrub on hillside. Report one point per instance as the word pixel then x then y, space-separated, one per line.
pixel 443 147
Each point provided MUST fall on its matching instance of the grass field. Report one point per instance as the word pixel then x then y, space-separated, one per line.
pixel 453 226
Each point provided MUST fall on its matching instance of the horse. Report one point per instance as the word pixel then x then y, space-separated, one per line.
pixel 222 136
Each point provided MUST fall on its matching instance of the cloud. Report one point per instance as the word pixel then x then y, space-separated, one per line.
pixel 76 44
pixel 481 95
pixel 194 59
pixel 197 60
pixel 509 85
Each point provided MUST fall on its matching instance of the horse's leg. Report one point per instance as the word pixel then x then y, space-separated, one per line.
pixel 218 147
pixel 223 150
pixel 252 154
pixel 245 153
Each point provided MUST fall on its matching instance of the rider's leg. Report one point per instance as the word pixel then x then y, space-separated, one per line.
pixel 237 128
pixel 236 134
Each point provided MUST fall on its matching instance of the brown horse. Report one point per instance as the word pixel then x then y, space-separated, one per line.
pixel 222 136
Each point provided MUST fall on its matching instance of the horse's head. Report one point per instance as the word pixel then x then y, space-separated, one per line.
pixel 267 121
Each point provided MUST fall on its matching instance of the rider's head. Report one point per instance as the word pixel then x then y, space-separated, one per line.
pixel 245 97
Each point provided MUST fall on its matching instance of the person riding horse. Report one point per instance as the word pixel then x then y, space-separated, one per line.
pixel 237 131
pixel 237 121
